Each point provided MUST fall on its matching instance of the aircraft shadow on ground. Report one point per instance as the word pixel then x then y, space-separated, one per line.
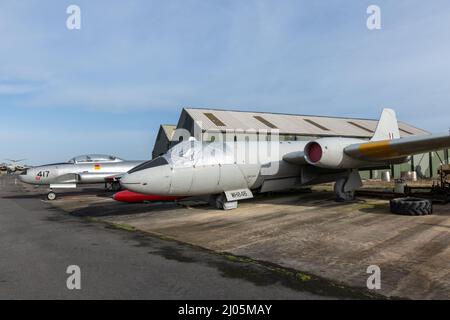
pixel 122 209
pixel 60 195
pixel 24 196
pixel 319 199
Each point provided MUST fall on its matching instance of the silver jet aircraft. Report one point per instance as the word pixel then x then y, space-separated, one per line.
pixel 192 168
pixel 86 169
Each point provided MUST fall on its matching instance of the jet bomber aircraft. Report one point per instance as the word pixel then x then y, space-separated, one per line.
pixel 86 169
pixel 193 168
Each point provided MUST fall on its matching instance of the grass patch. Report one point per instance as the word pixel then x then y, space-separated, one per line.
pixel 122 226
pixel 234 258
pixel 302 277
pixel 298 276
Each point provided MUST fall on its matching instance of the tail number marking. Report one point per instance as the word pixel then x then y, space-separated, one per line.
pixel 240 194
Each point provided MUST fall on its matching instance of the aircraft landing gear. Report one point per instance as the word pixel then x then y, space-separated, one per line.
pixel 220 202
pixel 115 186
pixel 51 196
pixel 342 195
pixel 345 187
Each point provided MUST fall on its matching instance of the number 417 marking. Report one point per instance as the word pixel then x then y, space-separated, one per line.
pixel 43 174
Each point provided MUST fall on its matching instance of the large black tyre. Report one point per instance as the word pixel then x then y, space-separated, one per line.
pixel 411 206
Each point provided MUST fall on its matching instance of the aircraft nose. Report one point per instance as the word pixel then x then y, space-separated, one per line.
pixel 149 181
pixel 24 177
pixel 129 181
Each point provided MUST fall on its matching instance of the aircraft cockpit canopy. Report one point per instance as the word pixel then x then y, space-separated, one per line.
pixel 190 153
pixel 89 158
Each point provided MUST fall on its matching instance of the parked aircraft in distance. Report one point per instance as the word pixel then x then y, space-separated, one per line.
pixel 193 168
pixel 133 197
pixel 86 169
pixel 13 166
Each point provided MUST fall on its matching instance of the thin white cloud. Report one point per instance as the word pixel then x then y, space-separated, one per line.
pixel 124 98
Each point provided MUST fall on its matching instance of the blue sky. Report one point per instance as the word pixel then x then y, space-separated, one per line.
pixel 135 64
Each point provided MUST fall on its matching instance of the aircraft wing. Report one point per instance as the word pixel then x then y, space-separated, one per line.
pixel 377 151
pixel 397 148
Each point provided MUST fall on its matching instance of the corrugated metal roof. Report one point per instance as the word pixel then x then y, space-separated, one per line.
pixel 169 130
pixel 292 124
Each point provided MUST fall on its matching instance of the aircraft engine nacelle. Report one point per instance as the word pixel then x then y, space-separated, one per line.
pixel 329 153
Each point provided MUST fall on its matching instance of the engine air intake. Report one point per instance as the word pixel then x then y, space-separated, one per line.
pixel 313 152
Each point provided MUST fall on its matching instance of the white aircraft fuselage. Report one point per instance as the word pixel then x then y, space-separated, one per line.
pixel 193 168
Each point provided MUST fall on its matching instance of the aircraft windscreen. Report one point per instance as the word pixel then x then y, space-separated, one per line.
pixel 159 161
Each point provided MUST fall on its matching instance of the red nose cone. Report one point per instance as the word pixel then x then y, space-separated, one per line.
pixel 314 152
pixel 133 197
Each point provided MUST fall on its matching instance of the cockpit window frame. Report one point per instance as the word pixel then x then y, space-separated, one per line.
pixel 156 162
pixel 94 158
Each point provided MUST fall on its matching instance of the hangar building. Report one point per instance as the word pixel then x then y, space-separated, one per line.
pixel 163 139
pixel 211 122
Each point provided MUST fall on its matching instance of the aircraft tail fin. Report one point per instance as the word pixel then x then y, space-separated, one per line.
pixel 387 128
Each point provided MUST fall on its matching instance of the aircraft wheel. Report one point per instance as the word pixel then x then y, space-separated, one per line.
pixel 115 186
pixel 342 195
pixel 222 203
pixel 51 196
pixel 218 201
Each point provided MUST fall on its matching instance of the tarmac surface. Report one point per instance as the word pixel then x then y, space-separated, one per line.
pixel 307 232
pixel 38 242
